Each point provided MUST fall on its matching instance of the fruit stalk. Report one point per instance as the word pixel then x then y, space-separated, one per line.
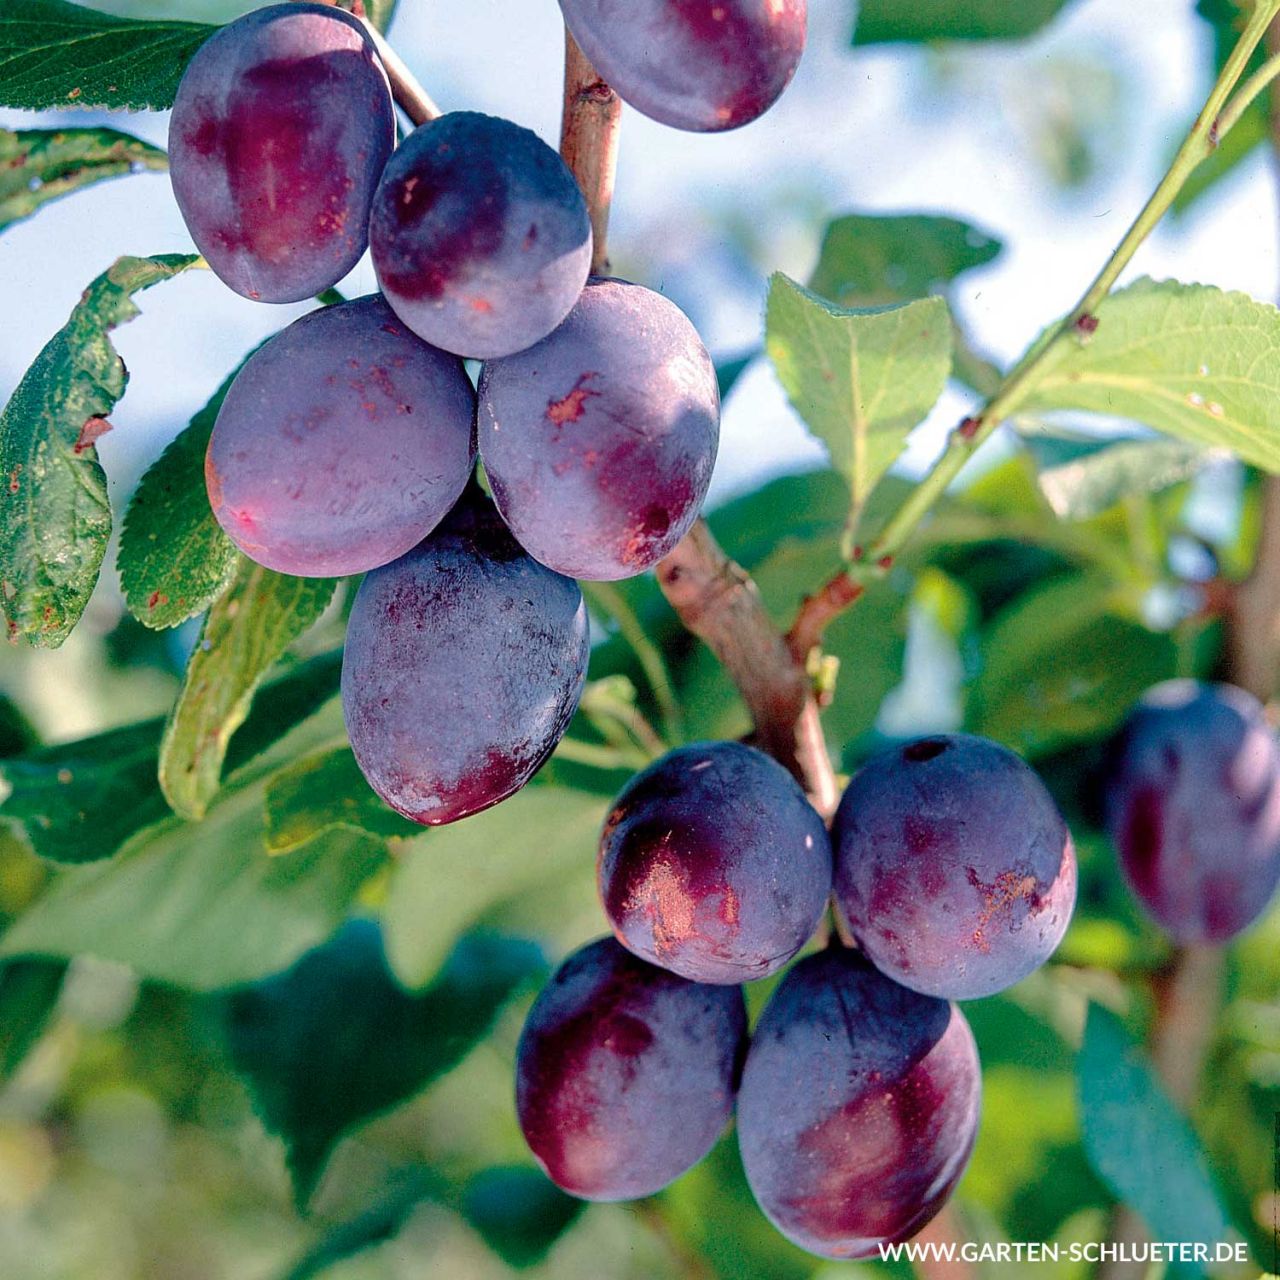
pixel 410 96
pixel 589 132
pixel 720 604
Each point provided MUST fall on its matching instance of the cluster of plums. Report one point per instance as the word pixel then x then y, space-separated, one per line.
pixel 857 1093
pixel 347 443
pixel 857 1099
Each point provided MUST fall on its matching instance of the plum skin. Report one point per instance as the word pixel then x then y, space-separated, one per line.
pixel 702 65
pixel 599 442
pixel 858 1107
pixel 625 1073
pixel 341 443
pixel 953 867
pixel 464 663
pixel 713 864
pixel 480 235
pixel 281 127
pixel 1193 807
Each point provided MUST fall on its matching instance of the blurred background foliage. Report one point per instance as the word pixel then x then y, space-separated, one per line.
pixel 220 1064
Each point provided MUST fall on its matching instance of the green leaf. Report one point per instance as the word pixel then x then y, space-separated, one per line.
pixel 17 734
pixel 324 791
pixel 29 990
pixel 246 632
pixel 519 1211
pixel 449 879
pixel 404 1191
pixel 82 800
pixel 54 54
pixel 174 559
pixel 1061 664
pixel 860 380
pixel 1083 478
pixel 884 21
pixel 1138 1143
pixel 1189 360
pixel 873 259
pixel 334 1041
pixel 200 908
pixel 54 515
pixel 40 165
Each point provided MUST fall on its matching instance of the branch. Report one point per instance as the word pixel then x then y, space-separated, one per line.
pixel 818 611
pixel 965 440
pixel 589 132
pixel 414 100
pixel 719 603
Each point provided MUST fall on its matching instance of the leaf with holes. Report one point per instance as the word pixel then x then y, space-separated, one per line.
pixel 1190 360
pixel 174 559
pixel 54 54
pixel 54 515
pixel 860 380
pixel 324 791
pixel 246 632
pixel 311 1085
pixel 40 165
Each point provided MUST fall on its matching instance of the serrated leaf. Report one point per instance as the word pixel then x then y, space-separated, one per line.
pixel 324 791
pixel 871 259
pixel 199 908
pixel 54 515
pixel 885 21
pixel 860 380
pixel 311 1083
pixel 1084 478
pixel 80 801
pixel 1061 664
pixel 1190 360
pixel 40 165
pixel 29 990
pixel 246 632
pixel 174 558
pixel 449 879
pixel 54 54
pixel 1138 1143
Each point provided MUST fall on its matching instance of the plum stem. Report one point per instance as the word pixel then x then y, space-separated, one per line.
pixel 719 603
pixel 411 97
pixel 589 132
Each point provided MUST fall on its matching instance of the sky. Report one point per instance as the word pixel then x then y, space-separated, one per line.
pixel 705 218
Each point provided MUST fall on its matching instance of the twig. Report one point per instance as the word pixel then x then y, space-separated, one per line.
pixel 589 143
pixel 719 603
pixel 817 611
pixel 412 98
pixel 1205 135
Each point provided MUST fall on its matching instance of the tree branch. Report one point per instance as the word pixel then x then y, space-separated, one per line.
pixel 818 611
pixel 589 131
pixel 717 601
